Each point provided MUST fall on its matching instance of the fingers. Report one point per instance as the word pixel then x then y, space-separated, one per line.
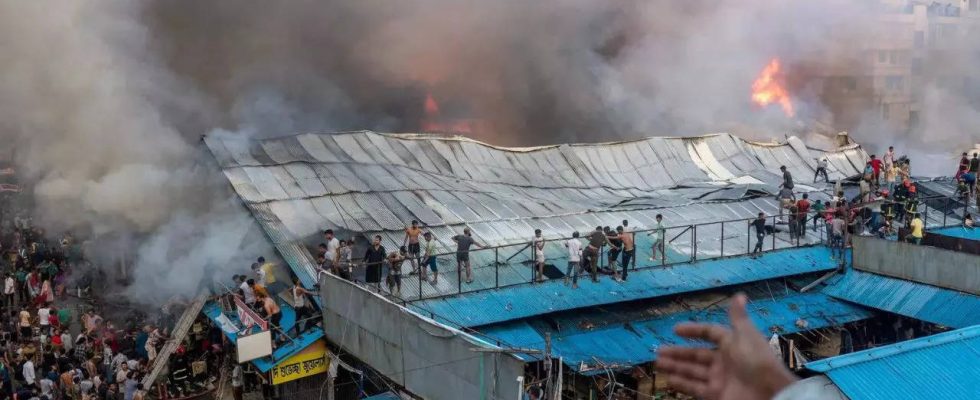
pixel 738 316
pixel 693 387
pixel 688 354
pixel 716 334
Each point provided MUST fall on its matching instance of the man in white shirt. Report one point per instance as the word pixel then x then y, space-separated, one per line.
pixel 44 319
pixel 260 274
pixel 332 245
pixel 9 286
pixel 574 246
pixel 29 376
pixel 248 293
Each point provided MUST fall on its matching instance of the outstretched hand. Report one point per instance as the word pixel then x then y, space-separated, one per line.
pixel 740 367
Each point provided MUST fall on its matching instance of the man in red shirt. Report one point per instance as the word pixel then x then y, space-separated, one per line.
pixel 802 209
pixel 876 166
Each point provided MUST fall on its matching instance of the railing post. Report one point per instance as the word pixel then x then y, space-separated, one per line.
pixel 534 264
pixel 774 232
pixel 748 238
pixel 419 276
pixel 945 210
pixel 694 242
pixel 496 267
pixel 459 275
pixel 722 239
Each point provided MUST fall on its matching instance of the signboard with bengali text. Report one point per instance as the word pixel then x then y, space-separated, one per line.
pixel 311 361
pixel 248 316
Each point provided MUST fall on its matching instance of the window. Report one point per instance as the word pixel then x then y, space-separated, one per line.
pixel 913 118
pixel 884 110
pixel 920 39
pixel 917 66
pixel 848 83
pixel 893 57
pixel 895 82
pixel 974 5
pixel 882 56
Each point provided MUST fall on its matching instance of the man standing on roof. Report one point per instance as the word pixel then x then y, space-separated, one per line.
pixel 463 244
pixel 821 170
pixel 759 223
pixel 268 270
pixel 889 158
pixel 332 245
pixel 614 250
pixel 786 199
pixel 412 234
pixel 917 229
pixel 429 258
pixel 629 252
pixel 597 239
pixel 658 239
pixel 876 168
pixel 838 227
pixel 802 211
pixel 537 246
pixel 975 164
pixel 301 304
pixel 374 257
pixel 273 314
pixel 574 247
pixel 787 178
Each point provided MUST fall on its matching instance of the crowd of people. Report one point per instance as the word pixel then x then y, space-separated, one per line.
pixel 48 351
pixel 886 205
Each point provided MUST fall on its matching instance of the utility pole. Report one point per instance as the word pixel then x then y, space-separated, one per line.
pixel 550 387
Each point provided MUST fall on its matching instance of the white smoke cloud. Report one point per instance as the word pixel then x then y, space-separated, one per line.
pixel 104 101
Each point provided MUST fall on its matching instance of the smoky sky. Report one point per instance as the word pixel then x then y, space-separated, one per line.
pixel 104 102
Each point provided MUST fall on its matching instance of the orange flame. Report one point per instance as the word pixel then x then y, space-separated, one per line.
pixel 768 88
pixel 433 122
pixel 431 107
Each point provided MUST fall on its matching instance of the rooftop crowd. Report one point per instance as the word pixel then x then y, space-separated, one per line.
pixel 886 204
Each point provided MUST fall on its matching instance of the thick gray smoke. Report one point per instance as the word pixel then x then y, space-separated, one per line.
pixel 105 100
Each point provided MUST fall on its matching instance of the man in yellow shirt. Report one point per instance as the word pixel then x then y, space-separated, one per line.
pixel 917 228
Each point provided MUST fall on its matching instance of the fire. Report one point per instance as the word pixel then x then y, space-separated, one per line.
pixel 435 122
pixel 770 88
pixel 431 107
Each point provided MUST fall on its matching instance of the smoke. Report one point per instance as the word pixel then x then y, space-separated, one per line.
pixel 104 101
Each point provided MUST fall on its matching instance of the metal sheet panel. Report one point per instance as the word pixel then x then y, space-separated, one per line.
pixel 941 366
pixel 911 299
pixel 623 346
pixel 467 310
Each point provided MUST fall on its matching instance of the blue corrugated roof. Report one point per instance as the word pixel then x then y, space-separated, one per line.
pixel 510 303
pixel 911 299
pixel 959 232
pixel 626 345
pixel 384 396
pixel 943 366
pixel 213 311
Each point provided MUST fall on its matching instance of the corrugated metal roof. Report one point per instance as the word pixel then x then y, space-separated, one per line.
pixel 365 183
pixel 943 366
pixel 911 299
pixel 635 342
pixel 493 306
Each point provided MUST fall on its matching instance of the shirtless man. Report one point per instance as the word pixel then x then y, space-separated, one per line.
pixel 412 234
pixel 629 252
pixel 272 312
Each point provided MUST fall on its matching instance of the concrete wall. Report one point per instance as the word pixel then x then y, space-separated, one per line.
pixel 923 264
pixel 428 359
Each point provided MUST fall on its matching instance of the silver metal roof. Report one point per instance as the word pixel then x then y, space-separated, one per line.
pixel 366 183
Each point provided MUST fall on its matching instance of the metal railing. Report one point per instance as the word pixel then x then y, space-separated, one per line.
pixel 494 267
